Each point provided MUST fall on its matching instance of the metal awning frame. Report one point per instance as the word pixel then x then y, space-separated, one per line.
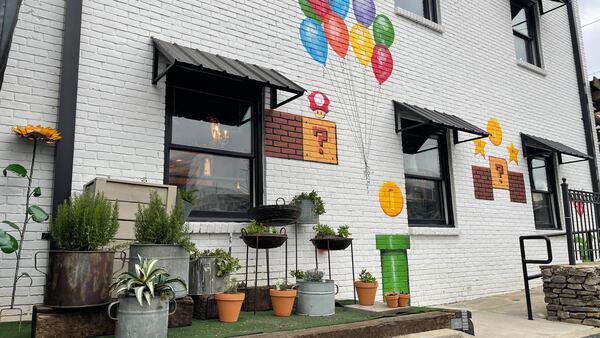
pixel 541 6
pixel 527 141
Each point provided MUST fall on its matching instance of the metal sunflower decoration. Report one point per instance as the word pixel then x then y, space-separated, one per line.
pixel 8 243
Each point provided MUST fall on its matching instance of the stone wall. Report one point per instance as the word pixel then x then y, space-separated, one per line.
pixel 573 293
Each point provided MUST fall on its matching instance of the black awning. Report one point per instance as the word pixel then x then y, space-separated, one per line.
pixel 9 13
pixel 534 145
pixel 220 65
pixel 412 117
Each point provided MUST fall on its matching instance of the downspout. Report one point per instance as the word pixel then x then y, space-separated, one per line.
pixel 583 96
pixel 67 106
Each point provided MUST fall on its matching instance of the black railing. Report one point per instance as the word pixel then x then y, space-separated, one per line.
pixel 581 223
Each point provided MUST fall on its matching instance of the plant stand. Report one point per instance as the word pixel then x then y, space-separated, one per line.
pixel 329 261
pixel 257 247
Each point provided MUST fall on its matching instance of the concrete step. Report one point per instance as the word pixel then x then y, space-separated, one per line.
pixel 443 333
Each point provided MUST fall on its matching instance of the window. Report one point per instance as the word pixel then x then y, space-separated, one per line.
pixel 427 184
pixel 212 147
pixel 424 8
pixel 543 192
pixel 525 32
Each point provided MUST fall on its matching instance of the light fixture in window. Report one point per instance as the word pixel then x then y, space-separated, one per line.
pixel 237 185
pixel 218 136
pixel 207 171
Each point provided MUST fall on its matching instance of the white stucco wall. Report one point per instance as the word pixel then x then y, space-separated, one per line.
pixel 465 66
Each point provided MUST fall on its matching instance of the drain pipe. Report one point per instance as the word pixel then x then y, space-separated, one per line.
pixel 583 96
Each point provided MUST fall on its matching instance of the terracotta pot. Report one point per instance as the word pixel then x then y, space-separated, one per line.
pixel 403 300
pixel 283 302
pixel 366 292
pixel 229 306
pixel 392 300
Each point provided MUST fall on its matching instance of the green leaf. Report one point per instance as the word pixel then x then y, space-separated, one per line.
pixel 37 192
pixel 12 225
pixel 37 214
pixel 16 169
pixel 8 244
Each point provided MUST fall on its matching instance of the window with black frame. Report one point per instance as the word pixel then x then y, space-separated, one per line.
pixel 525 31
pixel 426 172
pixel 212 150
pixel 543 192
pixel 424 8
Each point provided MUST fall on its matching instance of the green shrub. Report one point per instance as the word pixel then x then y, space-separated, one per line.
pixel 318 206
pixel 225 262
pixel 85 222
pixel 255 228
pixel 323 230
pixel 298 274
pixel 344 231
pixel 154 225
pixel 313 275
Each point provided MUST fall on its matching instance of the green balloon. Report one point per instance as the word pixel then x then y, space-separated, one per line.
pixel 383 30
pixel 308 10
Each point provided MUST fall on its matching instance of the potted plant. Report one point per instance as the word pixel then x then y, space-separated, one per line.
pixel 311 206
pixel 366 288
pixel 391 299
pixel 327 239
pixel 80 271
pixel 209 271
pixel 189 199
pixel 298 274
pixel 403 299
pixel 165 236
pixel 256 235
pixel 282 298
pixel 229 302
pixel 316 297
pixel 143 300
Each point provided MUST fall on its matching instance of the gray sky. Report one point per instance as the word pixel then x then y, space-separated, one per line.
pixel 590 21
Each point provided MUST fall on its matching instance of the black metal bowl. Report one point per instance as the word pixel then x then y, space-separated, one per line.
pixel 275 215
pixel 332 243
pixel 264 241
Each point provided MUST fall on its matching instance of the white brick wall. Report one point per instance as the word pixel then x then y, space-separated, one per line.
pixel 465 66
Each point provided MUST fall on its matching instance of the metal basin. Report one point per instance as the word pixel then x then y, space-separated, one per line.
pixel 264 241
pixel 331 242
pixel 174 258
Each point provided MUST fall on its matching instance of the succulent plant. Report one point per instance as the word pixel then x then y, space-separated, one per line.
pixel 318 206
pixel 231 286
pixel 366 277
pixel 282 285
pixel 298 274
pixel 313 275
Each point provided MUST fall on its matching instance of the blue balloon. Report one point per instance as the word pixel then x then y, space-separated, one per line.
pixel 340 7
pixel 314 40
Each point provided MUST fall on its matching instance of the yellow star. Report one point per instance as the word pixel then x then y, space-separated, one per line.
pixel 480 147
pixel 513 154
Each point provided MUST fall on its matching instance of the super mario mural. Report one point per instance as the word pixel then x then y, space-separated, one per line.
pixel 319 104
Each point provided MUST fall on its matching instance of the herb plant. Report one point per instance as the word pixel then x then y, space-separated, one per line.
pixel 313 275
pixel 318 206
pixel 323 230
pixel 366 277
pixel 85 222
pixel 255 228
pixel 281 285
pixel 344 231
pixel 226 263
pixel 147 282
pixel 298 274
pixel 187 195
pixel 231 286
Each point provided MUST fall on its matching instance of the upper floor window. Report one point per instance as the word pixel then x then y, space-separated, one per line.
pixel 543 192
pixel 427 180
pixel 525 32
pixel 424 8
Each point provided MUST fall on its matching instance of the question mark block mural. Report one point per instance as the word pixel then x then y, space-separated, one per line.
pixel 319 140
pixel 499 168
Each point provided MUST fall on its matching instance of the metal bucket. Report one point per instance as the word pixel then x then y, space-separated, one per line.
pixel 78 278
pixel 307 216
pixel 203 277
pixel 174 258
pixel 316 298
pixel 148 321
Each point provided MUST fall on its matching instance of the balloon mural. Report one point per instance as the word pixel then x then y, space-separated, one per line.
pixel 324 27
pixel 370 37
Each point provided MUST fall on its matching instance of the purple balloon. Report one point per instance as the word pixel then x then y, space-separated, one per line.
pixel 364 11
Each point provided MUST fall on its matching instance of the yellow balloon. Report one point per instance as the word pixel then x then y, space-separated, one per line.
pixel 362 43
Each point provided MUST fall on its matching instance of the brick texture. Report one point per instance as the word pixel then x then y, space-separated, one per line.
pixel 283 135
pixel 482 183
pixel 517 187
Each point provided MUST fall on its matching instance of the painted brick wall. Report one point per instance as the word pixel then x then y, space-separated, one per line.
pixel 464 66
pixel 517 187
pixel 482 183
pixel 283 135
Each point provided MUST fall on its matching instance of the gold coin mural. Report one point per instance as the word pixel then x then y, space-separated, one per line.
pixel 391 199
pixel 493 127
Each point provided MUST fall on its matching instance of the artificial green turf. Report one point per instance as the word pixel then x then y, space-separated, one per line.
pixel 263 322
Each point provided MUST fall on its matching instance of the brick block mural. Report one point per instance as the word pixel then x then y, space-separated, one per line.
pixel 517 187
pixel 482 182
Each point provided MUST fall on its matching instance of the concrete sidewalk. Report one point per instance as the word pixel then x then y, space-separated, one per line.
pixel 505 315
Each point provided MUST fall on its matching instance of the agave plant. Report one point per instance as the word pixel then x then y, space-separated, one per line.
pixel 147 282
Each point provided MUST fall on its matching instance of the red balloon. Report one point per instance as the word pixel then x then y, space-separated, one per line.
pixel 321 7
pixel 382 62
pixel 336 33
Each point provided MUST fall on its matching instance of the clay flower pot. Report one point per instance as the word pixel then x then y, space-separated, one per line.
pixel 366 292
pixel 392 299
pixel 283 302
pixel 229 306
pixel 403 300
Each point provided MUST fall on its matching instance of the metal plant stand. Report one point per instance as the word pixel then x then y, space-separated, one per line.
pixel 329 262
pixel 257 247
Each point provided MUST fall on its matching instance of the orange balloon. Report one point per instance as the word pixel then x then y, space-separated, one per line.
pixel 336 33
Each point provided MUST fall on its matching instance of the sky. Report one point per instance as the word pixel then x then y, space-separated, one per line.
pixel 590 22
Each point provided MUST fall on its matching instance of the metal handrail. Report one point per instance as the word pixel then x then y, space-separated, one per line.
pixel 525 261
